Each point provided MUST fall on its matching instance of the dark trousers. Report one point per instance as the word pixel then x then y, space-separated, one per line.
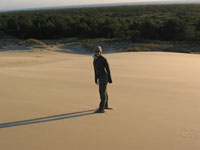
pixel 103 81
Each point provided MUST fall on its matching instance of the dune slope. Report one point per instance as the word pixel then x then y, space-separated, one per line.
pixel 47 102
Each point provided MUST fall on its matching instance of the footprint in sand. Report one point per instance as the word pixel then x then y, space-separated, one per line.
pixel 189 133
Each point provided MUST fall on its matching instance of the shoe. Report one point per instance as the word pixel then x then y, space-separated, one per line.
pixel 108 108
pixel 99 111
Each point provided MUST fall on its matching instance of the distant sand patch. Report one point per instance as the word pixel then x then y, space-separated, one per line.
pixel 31 57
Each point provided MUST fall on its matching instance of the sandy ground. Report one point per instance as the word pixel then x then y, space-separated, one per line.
pixel 47 101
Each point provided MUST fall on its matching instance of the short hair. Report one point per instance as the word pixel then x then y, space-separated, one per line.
pixel 98 49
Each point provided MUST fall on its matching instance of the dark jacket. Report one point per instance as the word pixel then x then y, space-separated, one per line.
pixel 101 68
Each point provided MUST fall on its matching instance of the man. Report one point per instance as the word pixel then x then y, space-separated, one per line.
pixel 102 77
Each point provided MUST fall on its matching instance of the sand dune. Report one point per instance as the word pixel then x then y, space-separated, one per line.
pixel 47 101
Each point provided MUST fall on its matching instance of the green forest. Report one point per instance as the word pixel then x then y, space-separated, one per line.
pixel 137 23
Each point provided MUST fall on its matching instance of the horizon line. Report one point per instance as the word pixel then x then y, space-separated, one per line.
pixel 103 5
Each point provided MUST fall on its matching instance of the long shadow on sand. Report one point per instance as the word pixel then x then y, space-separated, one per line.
pixel 47 119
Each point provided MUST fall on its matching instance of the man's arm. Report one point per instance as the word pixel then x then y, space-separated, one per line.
pixel 95 74
pixel 108 70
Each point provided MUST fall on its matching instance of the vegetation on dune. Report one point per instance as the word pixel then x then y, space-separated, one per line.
pixel 3 47
pixel 138 23
pixel 31 42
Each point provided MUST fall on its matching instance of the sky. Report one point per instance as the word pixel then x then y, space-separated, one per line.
pixel 21 4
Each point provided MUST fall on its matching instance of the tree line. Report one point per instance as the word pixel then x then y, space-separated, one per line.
pixel 160 22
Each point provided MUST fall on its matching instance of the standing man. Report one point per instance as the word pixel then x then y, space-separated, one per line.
pixel 102 77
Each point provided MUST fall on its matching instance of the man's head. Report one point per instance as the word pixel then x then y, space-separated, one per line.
pixel 98 50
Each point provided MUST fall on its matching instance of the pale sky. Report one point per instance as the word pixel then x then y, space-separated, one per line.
pixel 20 4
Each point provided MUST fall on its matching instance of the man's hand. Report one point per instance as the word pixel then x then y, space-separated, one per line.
pixel 96 81
pixel 109 80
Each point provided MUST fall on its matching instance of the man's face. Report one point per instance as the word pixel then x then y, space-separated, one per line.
pixel 97 53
